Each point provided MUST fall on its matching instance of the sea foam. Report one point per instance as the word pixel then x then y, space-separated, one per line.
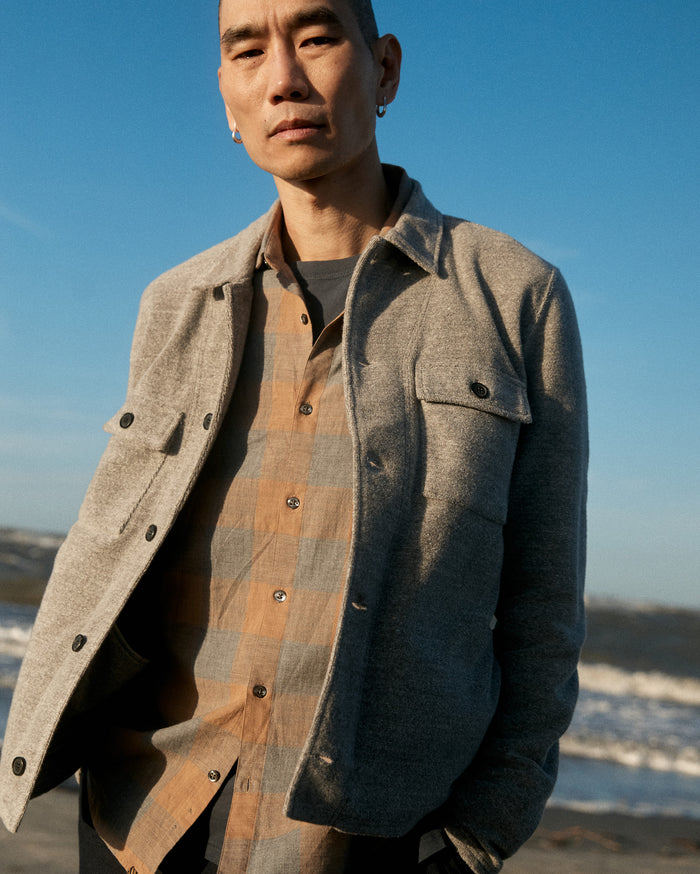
pixel 653 685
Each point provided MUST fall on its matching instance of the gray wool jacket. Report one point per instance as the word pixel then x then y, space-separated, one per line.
pixel 453 673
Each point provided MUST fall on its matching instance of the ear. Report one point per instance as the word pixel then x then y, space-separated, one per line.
pixel 229 114
pixel 387 51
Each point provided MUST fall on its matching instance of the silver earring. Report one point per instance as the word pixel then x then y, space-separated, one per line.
pixel 233 135
pixel 381 110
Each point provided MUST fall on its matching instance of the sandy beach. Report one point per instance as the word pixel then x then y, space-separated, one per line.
pixel 565 843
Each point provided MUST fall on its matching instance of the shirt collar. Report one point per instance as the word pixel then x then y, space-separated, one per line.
pixel 270 251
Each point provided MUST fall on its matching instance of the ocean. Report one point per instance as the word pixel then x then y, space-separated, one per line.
pixel 634 744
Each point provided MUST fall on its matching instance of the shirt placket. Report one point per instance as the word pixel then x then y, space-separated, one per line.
pixel 280 514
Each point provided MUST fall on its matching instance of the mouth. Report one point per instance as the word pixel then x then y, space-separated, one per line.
pixel 296 129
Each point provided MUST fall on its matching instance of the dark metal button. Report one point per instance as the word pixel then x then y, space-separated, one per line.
pixel 259 691
pixel 293 503
pixel 304 319
pixel 206 424
pixel 306 409
pixel 214 776
pixel 480 390
pixel 19 766
pixel 280 596
pixel 151 532
pixel 127 420
pixel 79 642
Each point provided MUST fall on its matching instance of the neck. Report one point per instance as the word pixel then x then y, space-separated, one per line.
pixel 334 216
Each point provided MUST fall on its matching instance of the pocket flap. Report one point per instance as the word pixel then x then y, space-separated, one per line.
pixel 146 421
pixel 478 387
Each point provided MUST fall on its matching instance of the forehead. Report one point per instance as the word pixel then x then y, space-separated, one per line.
pixel 261 13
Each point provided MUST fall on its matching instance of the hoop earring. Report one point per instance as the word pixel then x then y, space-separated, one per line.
pixel 233 136
pixel 381 110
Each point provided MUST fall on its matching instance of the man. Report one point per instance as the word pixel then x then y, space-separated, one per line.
pixel 321 611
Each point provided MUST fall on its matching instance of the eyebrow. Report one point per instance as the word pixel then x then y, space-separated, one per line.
pixel 305 18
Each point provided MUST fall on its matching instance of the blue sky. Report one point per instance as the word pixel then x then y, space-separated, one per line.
pixel 571 126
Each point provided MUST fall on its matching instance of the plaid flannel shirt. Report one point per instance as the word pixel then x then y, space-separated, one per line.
pixel 249 585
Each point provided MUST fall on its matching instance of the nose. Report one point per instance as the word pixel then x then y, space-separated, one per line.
pixel 288 80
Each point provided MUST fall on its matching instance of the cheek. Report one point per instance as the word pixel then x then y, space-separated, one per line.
pixel 239 96
pixel 354 110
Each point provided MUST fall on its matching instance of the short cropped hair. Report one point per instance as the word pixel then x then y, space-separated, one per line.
pixel 365 18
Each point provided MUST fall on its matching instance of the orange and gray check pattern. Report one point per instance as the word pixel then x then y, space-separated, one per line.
pixel 251 588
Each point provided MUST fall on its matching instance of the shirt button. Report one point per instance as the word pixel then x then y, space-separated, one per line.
pixel 19 766
pixel 151 532
pixel 480 390
pixel 259 691
pixel 126 420
pixel 304 319
pixel 293 503
pixel 306 409
pixel 206 424
pixel 79 642
pixel 214 776
pixel 280 596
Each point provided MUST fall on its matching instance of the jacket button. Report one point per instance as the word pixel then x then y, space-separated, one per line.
pixel 206 424
pixel 151 532
pixel 126 420
pixel 280 596
pixel 306 409
pixel 259 691
pixel 293 503
pixel 19 766
pixel 480 390
pixel 304 319
pixel 214 776
pixel 79 642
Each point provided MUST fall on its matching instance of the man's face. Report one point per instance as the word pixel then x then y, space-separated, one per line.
pixel 300 83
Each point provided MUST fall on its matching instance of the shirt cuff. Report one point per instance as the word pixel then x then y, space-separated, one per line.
pixel 472 852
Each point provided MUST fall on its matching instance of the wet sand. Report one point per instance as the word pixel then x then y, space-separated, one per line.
pixel 566 843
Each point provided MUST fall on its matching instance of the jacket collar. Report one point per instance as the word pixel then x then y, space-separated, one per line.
pixel 418 226
pixel 414 227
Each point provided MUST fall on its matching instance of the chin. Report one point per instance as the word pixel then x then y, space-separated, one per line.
pixel 302 171
pixel 298 164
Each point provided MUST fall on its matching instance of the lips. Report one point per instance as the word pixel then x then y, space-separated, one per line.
pixel 289 125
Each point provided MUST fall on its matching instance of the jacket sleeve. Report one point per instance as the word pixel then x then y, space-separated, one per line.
pixel 498 803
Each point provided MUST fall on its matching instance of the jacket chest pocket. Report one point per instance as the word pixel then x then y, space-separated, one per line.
pixel 471 416
pixel 144 432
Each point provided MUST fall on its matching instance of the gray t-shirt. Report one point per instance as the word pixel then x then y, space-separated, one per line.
pixel 325 285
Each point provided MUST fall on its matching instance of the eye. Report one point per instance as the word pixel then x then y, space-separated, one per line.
pixel 248 53
pixel 319 40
